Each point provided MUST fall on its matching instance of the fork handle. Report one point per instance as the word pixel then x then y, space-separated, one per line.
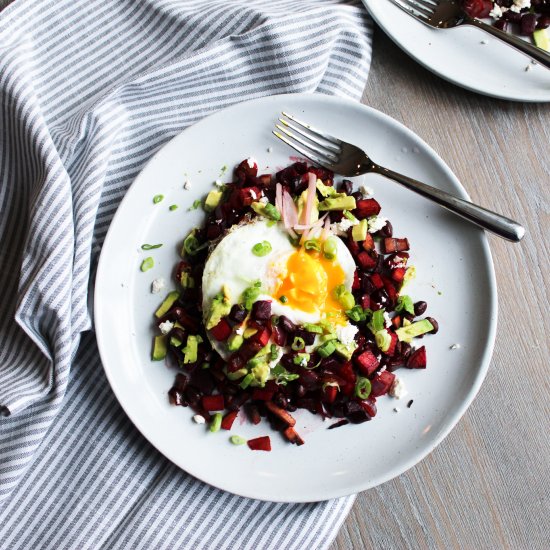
pixel 538 54
pixel 500 225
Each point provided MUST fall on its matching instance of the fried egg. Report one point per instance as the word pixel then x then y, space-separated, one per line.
pixel 300 284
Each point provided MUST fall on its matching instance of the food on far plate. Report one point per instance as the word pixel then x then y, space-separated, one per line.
pixel 524 17
pixel 291 296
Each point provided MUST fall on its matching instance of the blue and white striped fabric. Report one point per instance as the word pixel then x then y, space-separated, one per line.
pixel 89 90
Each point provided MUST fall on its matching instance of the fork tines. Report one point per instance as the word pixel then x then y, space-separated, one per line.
pixel 308 141
pixel 422 9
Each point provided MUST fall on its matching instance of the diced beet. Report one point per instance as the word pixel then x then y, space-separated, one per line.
pixel 280 413
pixel 395 245
pixel 245 169
pixel 324 174
pixel 286 324
pixel 528 24
pixel 346 186
pixel 365 208
pixel 260 443
pixel 213 403
pixel 181 268
pixel 261 394
pixel 391 350
pixel 346 372
pixel 417 359
pixel 381 384
pixel 355 412
pixel 180 383
pixel 368 243
pixel 365 301
pixel 396 321
pixel 309 380
pixel 366 261
pixel 261 310
pixel 390 289
pixel 253 413
pixel 330 393
pixel 353 246
pixel 398 274
pixel 376 280
pixel 356 282
pixel 228 420
pixel 264 180
pixel 370 406
pixel 292 435
pixel 192 396
pixel 221 331
pixel 262 336
pixel 176 397
pixel 249 349
pixel 237 313
pixel 338 424
pixel 366 362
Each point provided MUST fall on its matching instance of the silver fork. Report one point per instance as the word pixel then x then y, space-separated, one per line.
pixel 348 160
pixel 446 14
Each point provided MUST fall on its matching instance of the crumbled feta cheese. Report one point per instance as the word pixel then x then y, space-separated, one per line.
pixel 398 389
pixel 251 161
pixel 253 194
pixel 303 362
pixel 520 4
pixel 455 346
pixel 157 285
pixel 240 330
pixel 199 419
pixel 346 334
pixel 264 200
pixel 343 225
pixel 166 327
pixel 387 320
pixel 218 183
pixel 366 191
pixel 496 12
pixel 187 185
pixel 376 223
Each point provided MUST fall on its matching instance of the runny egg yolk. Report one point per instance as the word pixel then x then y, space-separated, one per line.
pixel 309 283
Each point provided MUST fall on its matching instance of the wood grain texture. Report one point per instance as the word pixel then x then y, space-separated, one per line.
pixel 487 486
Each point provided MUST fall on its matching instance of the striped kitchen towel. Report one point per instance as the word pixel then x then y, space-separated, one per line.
pixel 89 90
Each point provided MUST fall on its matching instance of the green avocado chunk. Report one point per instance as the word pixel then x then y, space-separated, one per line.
pixel 167 303
pixel 359 231
pixel 541 39
pixel 160 347
pixel 406 334
pixel 345 351
pixel 219 308
pixel 339 201
pixel 212 200
pixel 234 342
pixel 191 349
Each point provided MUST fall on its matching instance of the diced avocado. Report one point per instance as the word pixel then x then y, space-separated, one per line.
pixel 234 342
pixel 237 374
pixel 326 337
pixel 191 349
pixel 345 351
pixel 219 308
pixel 383 340
pixel 541 39
pixel 248 332
pixel 176 342
pixel 258 207
pixel 406 334
pixel 325 190
pixel 159 347
pixel 340 201
pixel 410 274
pixel 212 200
pixel 167 303
pixel 260 372
pixel 314 215
pixel 359 231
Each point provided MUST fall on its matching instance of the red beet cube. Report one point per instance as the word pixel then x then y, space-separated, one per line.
pixel 261 310
pixel 368 243
pixel 369 406
pixel 235 362
pixel 395 245
pixel 330 393
pixel 396 321
pixel 346 372
pixel 381 384
pixel 213 403
pixel 366 208
pixel 262 336
pixel 376 280
pixel 221 331
pixel 391 350
pixel 367 362
pixel 245 169
pixel 261 394
pixel 417 359
pixel 356 282
pixel 260 443
pixel 265 180
pixel 365 301
pixel 389 287
pixel 247 195
pixel 398 274
pixel 366 261
pixel 292 435
pixel 228 420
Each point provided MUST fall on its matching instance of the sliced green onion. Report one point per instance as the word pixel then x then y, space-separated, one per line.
pixel 195 204
pixel 405 303
pixel 237 440
pixel 173 207
pixel 362 387
pixel 147 264
pixel 158 198
pixel 350 216
pixel 216 423
pixel 377 321
pixel 283 299
pixel 191 244
pixel 246 381
pixel 262 249
pixel 298 343
pixel 312 244
pixel 250 295
pixel 357 314
pixel 328 348
pixel 310 327
pixel 329 248
pixel 344 296
pixel 272 212
pixel 273 352
pixel 300 358
pixel 150 246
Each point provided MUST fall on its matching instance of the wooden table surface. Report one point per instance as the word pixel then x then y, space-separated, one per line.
pixel 487 486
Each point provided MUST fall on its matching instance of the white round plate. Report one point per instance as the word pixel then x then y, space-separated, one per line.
pixel 465 56
pixel 455 276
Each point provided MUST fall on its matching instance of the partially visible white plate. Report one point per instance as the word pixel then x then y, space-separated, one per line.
pixel 465 56
pixel 455 276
